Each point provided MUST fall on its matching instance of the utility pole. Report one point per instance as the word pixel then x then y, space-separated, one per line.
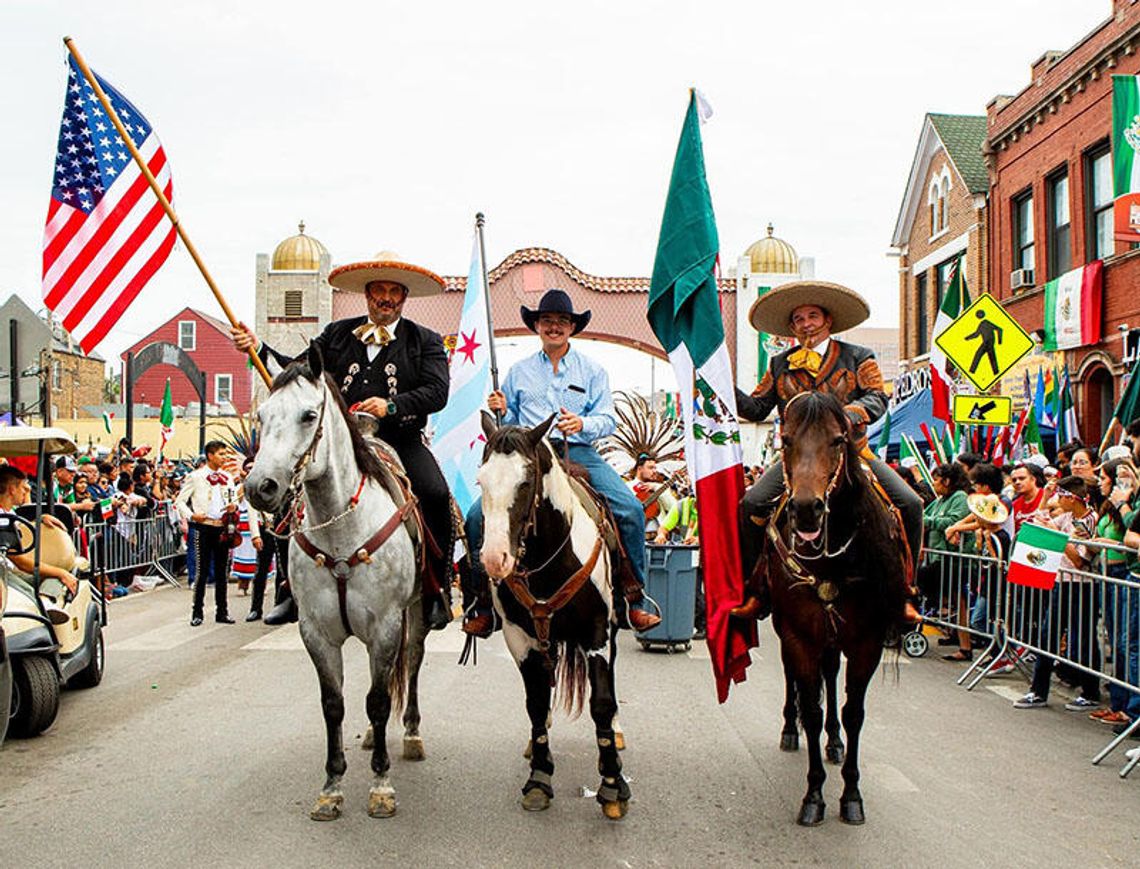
pixel 13 368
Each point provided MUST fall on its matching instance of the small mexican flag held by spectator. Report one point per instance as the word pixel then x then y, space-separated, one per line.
pixel 1036 556
pixel 166 418
pixel 106 508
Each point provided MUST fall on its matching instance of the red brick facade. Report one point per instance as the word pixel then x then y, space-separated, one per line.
pixel 212 351
pixel 1055 128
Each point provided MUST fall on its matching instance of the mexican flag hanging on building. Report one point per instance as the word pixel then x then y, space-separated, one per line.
pixel 941 368
pixel 684 313
pixel 1036 556
pixel 1072 308
pixel 1125 160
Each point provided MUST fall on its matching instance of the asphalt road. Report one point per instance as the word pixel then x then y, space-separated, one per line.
pixel 205 747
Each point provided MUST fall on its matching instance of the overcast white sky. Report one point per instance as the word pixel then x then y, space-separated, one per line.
pixel 387 125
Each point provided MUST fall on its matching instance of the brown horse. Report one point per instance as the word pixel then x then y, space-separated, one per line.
pixel 833 543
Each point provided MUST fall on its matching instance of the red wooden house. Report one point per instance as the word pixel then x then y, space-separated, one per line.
pixel 229 380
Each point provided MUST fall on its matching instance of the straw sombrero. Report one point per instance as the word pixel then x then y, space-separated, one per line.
pixel 988 508
pixel 772 312
pixel 386 266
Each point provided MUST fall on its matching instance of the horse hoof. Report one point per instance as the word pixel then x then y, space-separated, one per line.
pixel 414 748
pixel 789 742
pixel 835 754
pixel 382 803
pixel 615 810
pixel 535 800
pixel 369 739
pixel 327 807
pixel 619 741
pixel 811 814
pixel 529 750
pixel 851 812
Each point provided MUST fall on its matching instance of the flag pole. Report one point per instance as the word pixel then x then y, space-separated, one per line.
pixel 479 221
pixel 162 200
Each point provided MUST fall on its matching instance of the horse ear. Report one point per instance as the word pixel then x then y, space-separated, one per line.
pixel 316 360
pixel 490 426
pixel 539 431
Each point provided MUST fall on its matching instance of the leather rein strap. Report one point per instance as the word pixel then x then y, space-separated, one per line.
pixel 542 611
pixel 340 567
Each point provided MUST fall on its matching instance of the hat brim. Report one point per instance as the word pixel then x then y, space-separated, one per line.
pixel 772 312
pixel 530 318
pixel 355 277
pixel 975 502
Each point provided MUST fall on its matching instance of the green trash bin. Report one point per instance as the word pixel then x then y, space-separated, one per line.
pixel 671 580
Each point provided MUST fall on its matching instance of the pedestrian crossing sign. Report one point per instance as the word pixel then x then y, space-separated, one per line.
pixel 984 342
pixel 983 409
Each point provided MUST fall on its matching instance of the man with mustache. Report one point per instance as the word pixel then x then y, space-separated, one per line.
pixel 810 311
pixel 396 370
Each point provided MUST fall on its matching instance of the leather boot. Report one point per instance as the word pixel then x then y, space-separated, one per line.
pixel 757 603
pixel 438 614
pixel 284 613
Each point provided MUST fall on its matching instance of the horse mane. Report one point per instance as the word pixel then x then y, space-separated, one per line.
pixel 876 530
pixel 366 459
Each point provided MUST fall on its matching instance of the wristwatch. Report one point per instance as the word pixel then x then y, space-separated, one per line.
pixel 391 407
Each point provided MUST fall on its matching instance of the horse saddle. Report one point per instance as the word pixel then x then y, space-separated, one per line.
pixel 599 511
pixel 399 488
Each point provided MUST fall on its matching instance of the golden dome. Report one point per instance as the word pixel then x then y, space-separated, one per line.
pixel 300 253
pixel 773 256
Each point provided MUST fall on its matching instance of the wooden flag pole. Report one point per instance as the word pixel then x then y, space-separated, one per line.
pixel 163 201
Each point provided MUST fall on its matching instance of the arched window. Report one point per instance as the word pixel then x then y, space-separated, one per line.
pixel 935 210
pixel 944 202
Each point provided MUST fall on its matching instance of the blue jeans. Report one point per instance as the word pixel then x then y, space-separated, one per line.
pixel 1123 604
pixel 626 508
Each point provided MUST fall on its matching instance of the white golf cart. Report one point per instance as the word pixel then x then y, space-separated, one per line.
pixel 37 657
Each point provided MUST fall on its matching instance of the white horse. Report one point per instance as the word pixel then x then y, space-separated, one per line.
pixel 352 566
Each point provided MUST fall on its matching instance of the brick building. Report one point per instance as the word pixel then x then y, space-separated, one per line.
pixel 1049 150
pixel 229 379
pixel 943 215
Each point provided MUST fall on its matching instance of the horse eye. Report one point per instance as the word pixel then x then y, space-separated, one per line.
pixel 839 441
pixel 308 416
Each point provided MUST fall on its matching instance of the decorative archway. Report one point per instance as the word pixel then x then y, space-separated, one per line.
pixel 164 353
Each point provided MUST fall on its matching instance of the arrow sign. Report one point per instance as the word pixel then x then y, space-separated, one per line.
pixel 983 409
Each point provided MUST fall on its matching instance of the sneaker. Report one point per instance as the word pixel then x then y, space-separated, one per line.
pixel 1112 718
pixel 1000 667
pixel 1133 753
pixel 1081 704
pixel 56 614
pixel 1101 714
pixel 1030 701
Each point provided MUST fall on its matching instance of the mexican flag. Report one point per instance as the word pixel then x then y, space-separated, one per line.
pixel 1067 428
pixel 1033 433
pixel 941 369
pixel 108 418
pixel 1072 308
pixel 1125 165
pixel 106 509
pixel 884 438
pixel 684 313
pixel 1036 556
pixel 908 449
pixel 166 418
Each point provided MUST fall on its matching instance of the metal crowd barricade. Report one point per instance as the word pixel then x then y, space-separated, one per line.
pixel 121 544
pixel 962 591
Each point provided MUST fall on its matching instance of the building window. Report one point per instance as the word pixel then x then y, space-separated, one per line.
pixel 1059 256
pixel 1023 231
pixel 944 204
pixel 223 388
pixel 922 319
pixel 187 334
pixel 56 375
pixel 1098 196
pixel 293 303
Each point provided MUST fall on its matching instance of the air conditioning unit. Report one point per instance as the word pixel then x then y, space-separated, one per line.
pixel 1021 278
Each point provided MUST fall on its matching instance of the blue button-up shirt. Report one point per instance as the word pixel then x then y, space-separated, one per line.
pixel 581 386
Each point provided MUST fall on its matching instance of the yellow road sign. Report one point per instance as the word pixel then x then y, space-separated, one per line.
pixel 983 409
pixel 984 342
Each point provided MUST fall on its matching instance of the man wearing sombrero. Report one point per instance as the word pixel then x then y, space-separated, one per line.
pixel 396 370
pixel 561 380
pixel 810 311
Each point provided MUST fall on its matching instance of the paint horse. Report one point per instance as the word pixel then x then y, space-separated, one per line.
pixel 353 565
pixel 549 562
pixel 832 544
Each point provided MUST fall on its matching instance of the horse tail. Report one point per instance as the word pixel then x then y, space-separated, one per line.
pixel 572 680
pixel 398 679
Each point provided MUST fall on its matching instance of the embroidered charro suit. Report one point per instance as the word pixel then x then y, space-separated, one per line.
pixel 852 375
pixel 411 370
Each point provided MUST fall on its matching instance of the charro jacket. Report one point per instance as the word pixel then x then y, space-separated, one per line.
pixel 411 371
pixel 848 371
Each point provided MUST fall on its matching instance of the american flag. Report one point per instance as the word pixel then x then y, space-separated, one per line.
pixel 106 232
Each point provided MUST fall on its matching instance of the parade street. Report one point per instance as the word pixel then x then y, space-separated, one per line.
pixel 205 747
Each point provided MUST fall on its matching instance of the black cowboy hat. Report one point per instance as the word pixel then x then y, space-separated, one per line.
pixel 554 302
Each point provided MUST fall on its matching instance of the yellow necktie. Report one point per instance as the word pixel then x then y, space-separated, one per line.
pixel 806 359
pixel 370 333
